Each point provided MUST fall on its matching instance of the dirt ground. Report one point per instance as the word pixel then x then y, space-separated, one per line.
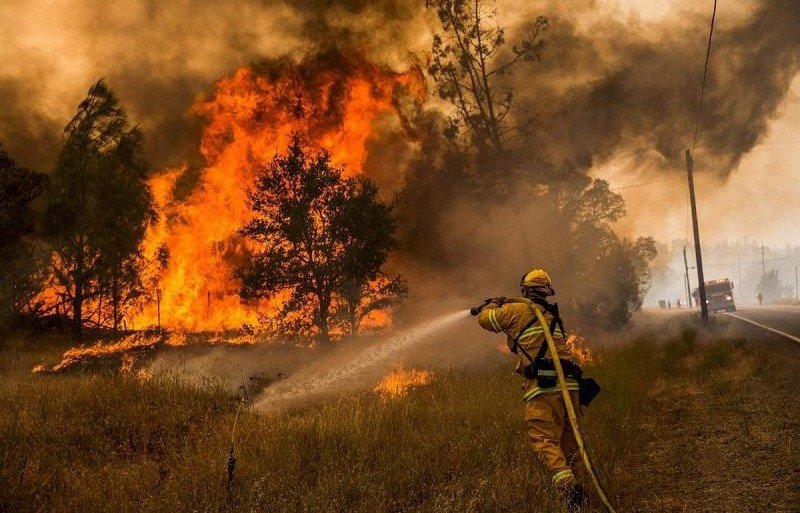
pixel 723 433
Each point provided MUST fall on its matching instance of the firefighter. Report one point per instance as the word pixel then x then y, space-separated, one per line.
pixel 546 417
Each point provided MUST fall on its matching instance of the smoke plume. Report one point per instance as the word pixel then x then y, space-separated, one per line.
pixel 159 56
pixel 611 82
pixel 609 79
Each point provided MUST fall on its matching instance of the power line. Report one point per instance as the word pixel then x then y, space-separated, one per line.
pixel 705 76
pixel 642 183
pixel 779 259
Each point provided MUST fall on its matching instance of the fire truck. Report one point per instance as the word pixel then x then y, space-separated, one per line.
pixel 719 295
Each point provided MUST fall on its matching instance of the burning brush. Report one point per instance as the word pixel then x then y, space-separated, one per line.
pixel 125 351
pixel 396 384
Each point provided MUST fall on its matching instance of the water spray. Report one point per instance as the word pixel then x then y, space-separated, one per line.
pixel 314 382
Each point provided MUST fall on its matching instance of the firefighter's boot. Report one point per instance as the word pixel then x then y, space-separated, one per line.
pixel 574 497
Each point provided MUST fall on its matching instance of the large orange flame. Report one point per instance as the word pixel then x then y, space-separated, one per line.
pixel 332 101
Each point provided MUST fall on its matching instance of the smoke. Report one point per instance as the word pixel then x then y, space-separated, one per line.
pixel 610 80
pixel 159 56
pixel 615 92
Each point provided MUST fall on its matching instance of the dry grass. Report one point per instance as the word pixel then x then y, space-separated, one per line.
pixel 113 443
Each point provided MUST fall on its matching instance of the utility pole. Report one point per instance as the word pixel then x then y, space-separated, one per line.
pixel 686 274
pixel 763 267
pixel 701 284
pixel 796 289
pixel 739 261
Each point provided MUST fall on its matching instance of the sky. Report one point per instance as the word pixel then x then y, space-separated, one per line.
pixel 759 200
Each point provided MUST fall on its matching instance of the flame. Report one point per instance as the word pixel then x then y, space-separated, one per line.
pixel 332 101
pixel 124 348
pixel 397 383
pixel 578 348
pixel 576 344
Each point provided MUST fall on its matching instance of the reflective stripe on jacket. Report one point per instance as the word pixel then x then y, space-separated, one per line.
pixel 510 318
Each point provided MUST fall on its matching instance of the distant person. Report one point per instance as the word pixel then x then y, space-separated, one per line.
pixel 760 298
pixel 549 428
pixel 678 303
pixel 669 304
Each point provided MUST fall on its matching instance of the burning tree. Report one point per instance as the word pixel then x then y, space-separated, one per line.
pixel 99 207
pixel 322 239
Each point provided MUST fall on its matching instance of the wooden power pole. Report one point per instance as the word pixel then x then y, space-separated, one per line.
pixel 701 284
pixel 688 284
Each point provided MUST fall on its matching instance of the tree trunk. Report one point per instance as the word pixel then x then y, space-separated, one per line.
pixel 77 298
pixel 115 299
pixel 324 313
pixel 353 316
pixel 77 310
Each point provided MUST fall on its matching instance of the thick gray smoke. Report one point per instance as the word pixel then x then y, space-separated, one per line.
pixel 607 80
pixel 622 83
pixel 159 56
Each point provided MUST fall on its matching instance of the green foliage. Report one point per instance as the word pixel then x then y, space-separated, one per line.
pixel 322 238
pixel 20 254
pixel 99 207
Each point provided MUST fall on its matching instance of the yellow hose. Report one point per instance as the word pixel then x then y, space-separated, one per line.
pixel 573 417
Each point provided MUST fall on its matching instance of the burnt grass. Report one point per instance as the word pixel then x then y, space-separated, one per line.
pixel 685 422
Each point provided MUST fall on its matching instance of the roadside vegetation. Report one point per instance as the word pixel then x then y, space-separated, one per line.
pixel 110 442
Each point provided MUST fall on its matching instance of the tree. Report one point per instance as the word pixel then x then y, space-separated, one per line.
pixel 772 287
pixel 99 206
pixel 467 65
pixel 322 239
pixel 562 218
pixel 19 253
pixel 611 273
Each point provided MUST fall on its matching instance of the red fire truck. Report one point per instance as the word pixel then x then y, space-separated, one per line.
pixel 719 295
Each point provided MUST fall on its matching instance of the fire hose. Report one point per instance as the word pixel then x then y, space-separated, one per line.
pixel 573 417
pixel 243 398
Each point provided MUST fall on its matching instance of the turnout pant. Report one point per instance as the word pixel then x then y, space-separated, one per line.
pixel 551 436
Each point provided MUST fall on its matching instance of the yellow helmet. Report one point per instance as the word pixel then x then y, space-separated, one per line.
pixel 538 281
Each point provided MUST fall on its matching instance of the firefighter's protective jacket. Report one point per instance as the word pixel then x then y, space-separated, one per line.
pixel 510 318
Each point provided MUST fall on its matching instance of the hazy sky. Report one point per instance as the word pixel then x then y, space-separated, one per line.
pixel 759 200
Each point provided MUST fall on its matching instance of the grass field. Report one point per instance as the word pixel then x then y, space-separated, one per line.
pixel 85 442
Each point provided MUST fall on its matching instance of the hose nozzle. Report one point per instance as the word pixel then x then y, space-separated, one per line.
pixel 475 310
